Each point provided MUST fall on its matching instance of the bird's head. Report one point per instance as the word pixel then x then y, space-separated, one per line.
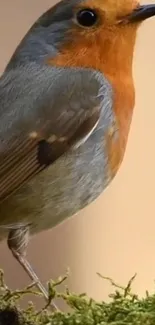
pixel 88 33
pixel 84 32
pixel 95 33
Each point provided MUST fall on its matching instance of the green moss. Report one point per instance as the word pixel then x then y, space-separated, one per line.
pixel 124 307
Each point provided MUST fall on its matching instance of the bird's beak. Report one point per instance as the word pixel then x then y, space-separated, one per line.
pixel 141 13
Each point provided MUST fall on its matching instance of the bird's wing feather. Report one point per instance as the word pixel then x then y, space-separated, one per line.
pixel 44 112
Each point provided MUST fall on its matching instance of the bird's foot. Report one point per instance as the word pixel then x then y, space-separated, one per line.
pixel 17 242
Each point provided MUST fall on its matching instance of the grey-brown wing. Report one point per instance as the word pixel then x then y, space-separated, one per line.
pixel 43 113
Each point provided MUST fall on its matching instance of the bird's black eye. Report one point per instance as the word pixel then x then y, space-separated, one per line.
pixel 86 17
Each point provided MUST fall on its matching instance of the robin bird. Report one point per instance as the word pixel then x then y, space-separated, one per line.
pixel 66 103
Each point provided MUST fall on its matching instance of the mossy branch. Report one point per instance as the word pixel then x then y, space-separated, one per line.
pixel 124 308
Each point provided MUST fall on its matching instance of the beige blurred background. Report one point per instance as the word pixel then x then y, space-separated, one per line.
pixel 116 234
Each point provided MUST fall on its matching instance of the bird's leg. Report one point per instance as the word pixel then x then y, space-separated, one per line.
pixel 17 242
